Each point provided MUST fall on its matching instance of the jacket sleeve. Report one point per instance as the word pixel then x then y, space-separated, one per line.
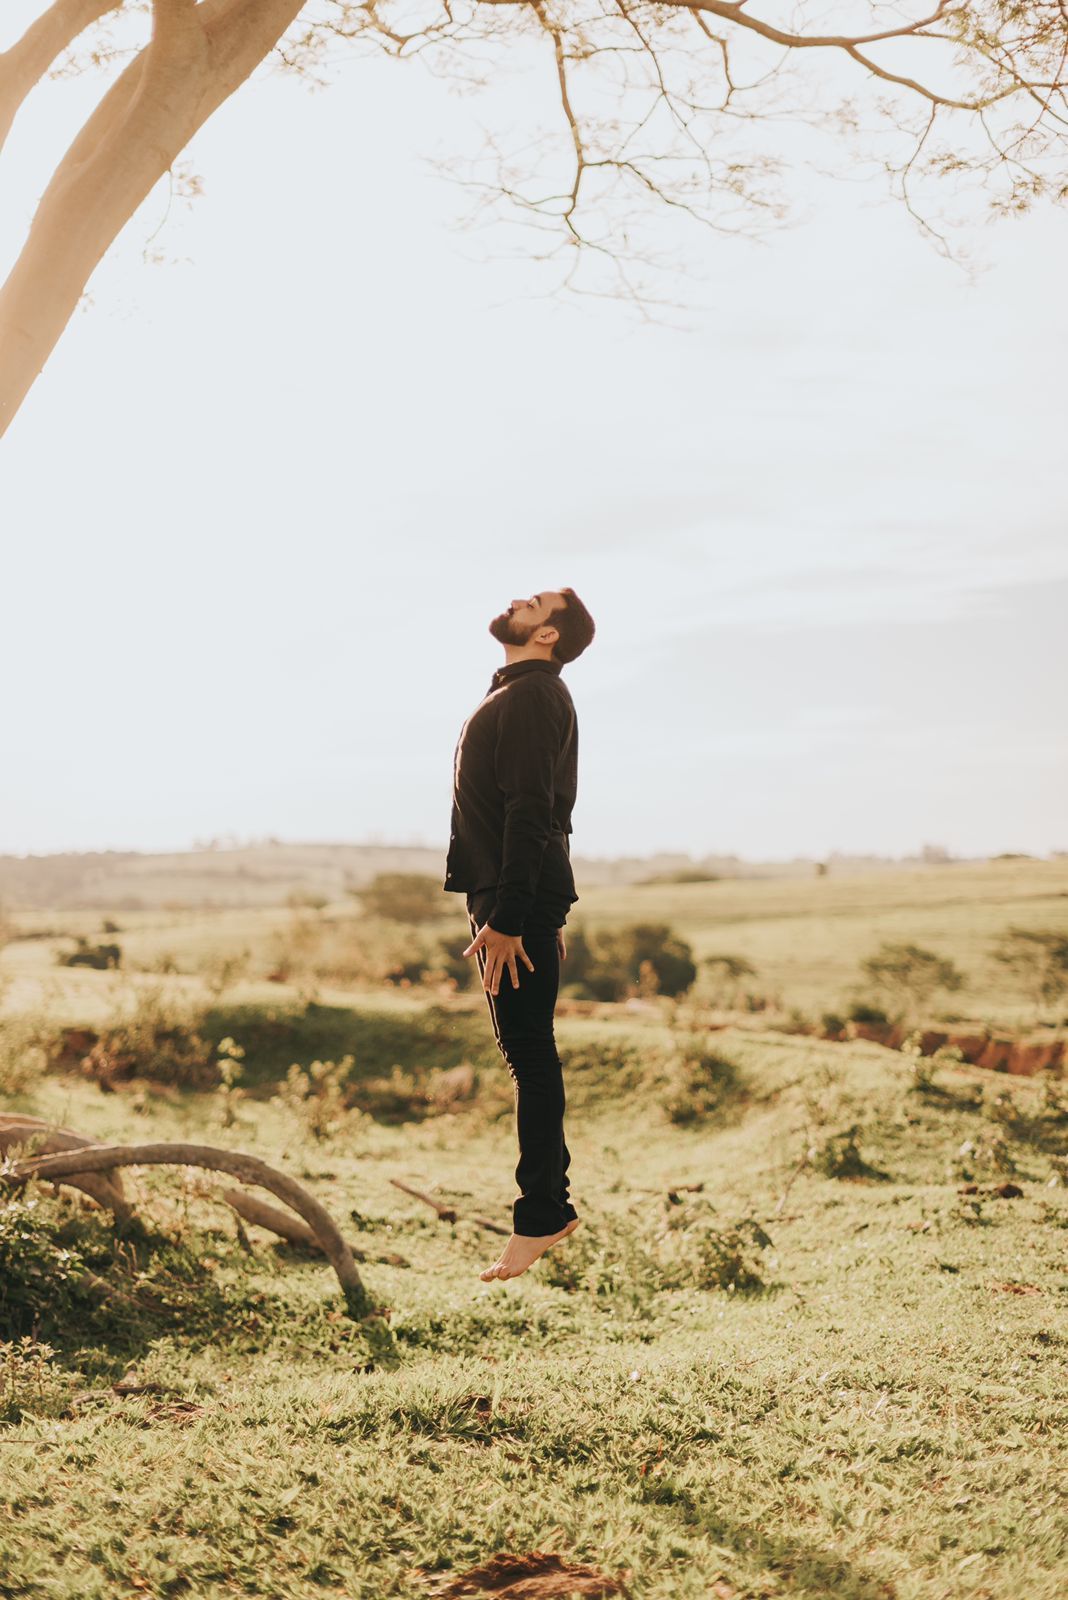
pixel 530 736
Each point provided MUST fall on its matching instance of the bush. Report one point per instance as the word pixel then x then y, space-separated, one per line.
pixel 700 1082
pixel 26 1045
pixel 864 1011
pixel 1038 959
pixel 726 975
pixel 616 963
pixel 909 975
pixel 410 897
pixel 42 1275
pixel 154 1038
pixel 103 957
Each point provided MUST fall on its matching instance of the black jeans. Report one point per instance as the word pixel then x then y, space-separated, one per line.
pixel 523 1026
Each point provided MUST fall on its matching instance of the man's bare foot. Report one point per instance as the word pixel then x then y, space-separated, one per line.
pixel 521 1252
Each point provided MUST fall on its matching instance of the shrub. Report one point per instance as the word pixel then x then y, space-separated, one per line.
pixel 700 1082
pixel 155 1038
pixel 26 1045
pixel 103 957
pixel 410 897
pixel 726 975
pixel 42 1276
pixel 615 963
pixel 1038 959
pixel 909 975
pixel 864 1011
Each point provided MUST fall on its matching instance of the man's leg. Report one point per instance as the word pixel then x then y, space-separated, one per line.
pixel 522 1021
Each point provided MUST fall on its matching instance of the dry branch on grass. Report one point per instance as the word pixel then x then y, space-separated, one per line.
pixel 445 1213
pixel 73 1164
pixel 17 1131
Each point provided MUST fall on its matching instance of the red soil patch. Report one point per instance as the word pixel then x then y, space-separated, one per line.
pixel 540 1575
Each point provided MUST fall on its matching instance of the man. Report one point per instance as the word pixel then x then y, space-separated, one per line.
pixel 514 783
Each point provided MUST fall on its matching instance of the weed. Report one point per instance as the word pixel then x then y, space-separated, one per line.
pixel 316 1097
pixel 840 1156
pixel 30 1384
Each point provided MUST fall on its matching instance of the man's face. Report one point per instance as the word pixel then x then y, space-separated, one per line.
pixel 521 621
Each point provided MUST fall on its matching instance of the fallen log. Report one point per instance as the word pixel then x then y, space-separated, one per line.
pixel 246 1168
pixel 273 1218
pixel 105 1188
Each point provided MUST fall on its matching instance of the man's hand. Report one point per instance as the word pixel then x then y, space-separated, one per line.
pixel 501 951
pixel 561 944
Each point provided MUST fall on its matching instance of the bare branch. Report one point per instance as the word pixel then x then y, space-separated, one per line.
pixel 27 61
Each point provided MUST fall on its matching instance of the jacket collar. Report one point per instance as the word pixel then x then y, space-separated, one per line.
pixel 517 669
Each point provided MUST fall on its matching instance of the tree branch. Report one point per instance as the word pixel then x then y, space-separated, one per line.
pixel 249 1169
pixel 27 61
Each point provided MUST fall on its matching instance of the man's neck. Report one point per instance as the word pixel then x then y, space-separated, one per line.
pixel 525 652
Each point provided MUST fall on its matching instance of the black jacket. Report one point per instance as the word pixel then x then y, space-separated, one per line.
pixel 515 776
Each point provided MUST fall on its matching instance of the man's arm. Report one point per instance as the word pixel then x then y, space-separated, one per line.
pixel 529 738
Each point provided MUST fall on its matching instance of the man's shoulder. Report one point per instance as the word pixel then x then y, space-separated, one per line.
pixel 546 688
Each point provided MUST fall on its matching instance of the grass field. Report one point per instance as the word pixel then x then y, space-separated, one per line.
pixel 825 1372
pixel 804 937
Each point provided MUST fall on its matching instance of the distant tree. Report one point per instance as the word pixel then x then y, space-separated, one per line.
pixel 1038 958
pixel 671 104
pixel 909 975
pixel 410 897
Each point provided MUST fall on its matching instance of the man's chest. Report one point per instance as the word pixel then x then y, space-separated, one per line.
pixel 478 738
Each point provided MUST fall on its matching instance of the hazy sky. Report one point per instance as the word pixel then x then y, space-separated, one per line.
pixel 259 510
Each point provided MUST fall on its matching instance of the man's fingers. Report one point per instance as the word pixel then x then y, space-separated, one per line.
pixel 512 969
pixel 526 958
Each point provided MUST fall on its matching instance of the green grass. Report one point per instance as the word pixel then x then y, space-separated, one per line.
pixel 878 1417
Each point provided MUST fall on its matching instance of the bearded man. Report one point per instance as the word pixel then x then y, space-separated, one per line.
pixel 515 778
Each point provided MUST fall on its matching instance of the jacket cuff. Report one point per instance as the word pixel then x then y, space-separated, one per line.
pixel 506 919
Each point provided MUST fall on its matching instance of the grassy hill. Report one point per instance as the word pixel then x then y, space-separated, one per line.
pixel 864 1398
pixel 809 1340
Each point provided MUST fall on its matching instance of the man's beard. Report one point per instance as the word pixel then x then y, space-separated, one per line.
pixel 507 630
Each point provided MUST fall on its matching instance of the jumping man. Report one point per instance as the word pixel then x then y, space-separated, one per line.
pixel 515 777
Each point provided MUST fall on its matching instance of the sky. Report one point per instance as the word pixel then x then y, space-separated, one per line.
pixel 257 513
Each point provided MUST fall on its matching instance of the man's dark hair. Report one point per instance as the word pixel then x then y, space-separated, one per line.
pixel 574 625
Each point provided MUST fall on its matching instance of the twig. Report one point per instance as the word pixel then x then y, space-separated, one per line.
pixel 447 1213
pixel 801 1165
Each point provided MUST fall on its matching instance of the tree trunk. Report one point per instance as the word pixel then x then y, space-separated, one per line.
pixel 198 56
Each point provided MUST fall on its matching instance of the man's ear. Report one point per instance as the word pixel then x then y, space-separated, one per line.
pixel 547 636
